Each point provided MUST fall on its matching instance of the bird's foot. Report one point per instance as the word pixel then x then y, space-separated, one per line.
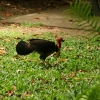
pixel 45 63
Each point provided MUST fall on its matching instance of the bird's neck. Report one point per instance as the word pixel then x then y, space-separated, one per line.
pixel 59 44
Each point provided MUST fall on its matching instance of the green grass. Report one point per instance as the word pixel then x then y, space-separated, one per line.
pixel 71 77
pixel 26 24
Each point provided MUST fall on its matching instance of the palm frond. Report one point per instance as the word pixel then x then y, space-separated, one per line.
pixel 82 11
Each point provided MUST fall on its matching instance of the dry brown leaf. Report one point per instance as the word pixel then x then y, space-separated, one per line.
pixel 33 81
pixel 2 48
pixel 8 14
pixel 36 18
pixel 14 87
pixel 62 59
pixel 47 18
pixel 71 20
pixel 39 9
pixel 68 48
pixel 10 92
pixel 98 48
pixel 2 51
pixel 14 7
pixel 7 40
pixel 87 47
pixel 72 74
pixel 27 10
pixel 27 93
pixel 81 70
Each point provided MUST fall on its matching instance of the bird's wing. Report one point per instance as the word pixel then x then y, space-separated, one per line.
pixel 42 46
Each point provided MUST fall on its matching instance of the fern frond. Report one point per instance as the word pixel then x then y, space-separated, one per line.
pixel 83 5
pixel 98 29
pixel 71 6
pixel 68 11
pixel 88 12
pixel 82 10
pixel 75 5
pixel 96 23
pixel 87 9
pixel 79 6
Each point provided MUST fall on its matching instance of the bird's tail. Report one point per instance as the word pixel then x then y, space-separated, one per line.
pixel 23 48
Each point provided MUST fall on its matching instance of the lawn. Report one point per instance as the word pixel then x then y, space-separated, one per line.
pixel 75 75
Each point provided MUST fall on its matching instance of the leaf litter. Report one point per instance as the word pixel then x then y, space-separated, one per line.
pixel 2 50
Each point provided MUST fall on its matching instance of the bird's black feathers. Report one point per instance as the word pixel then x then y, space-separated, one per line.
pixel 43 47
pixel 23 48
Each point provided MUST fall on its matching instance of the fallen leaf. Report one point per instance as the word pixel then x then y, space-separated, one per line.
pixel 8 14
pixel 14 7
pixel 36 18
pixel 26 93
pixel 2 51
pixel 2 48
pixel 68 48
pixel 87 47
pixel 72 74
pixel 48 18
pixel 71 20
pixel 14 87
pixel 7 40
pixel 33 81
pixel 98 48
pixel 10 92
pixel 62 59
pixel 8 4
pixel 81 70
pixel 39 9
pixel 27 10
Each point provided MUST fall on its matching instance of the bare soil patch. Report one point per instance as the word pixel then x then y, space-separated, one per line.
pixel 13 9
pixel 56 31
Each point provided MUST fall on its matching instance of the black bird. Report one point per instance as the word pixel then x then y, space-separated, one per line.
pixel 43 47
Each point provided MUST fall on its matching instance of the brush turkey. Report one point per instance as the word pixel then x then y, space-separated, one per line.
pixel 43 47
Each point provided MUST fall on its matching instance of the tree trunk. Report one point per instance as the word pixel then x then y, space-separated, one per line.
pixel 95 7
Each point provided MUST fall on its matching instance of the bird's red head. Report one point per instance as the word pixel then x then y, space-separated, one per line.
pixel 59 40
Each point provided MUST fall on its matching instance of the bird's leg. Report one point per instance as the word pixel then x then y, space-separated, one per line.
pixel 46 63
pixel 58 53
pixel 43 57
